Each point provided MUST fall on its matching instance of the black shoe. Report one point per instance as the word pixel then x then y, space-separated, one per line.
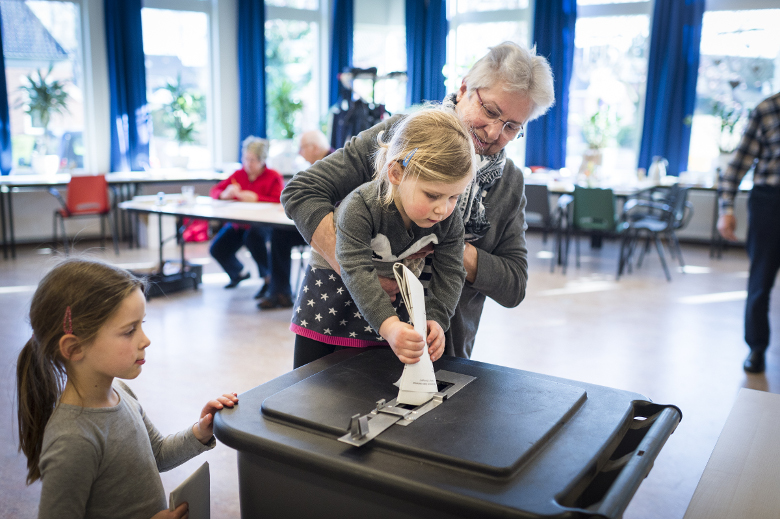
pixel 755 363
pixel 263 291
pixel 234 282
pixel 275 301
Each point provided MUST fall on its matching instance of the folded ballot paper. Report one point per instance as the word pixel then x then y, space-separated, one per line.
pixel 418 382
pixel 195 490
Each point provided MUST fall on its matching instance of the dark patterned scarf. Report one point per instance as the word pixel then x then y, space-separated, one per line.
pixel 471 202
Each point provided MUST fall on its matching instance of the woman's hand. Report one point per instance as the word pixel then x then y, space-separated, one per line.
pixel 247 196
pixel 406 343
pixel 204 427
pixel 230 192
pixel 435 340
pixel 181 512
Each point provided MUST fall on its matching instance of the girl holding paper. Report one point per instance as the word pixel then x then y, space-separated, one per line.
pixel 421 169
pixel 84 433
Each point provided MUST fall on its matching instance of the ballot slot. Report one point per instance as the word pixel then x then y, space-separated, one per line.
pixel 363 429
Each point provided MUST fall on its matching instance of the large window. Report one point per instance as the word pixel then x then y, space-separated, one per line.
pixel 477 25
pixel 606 96
pixel 380 41
pixel 45 84
pixel 739 66
pixel 176 48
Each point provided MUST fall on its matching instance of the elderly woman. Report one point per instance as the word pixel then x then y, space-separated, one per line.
pixel 254 182
pixel 502 92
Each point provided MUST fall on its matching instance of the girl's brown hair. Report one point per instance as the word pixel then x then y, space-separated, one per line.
pixel 431 144
pixel 78 294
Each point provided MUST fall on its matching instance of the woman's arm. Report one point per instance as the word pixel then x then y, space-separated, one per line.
pixel 448 273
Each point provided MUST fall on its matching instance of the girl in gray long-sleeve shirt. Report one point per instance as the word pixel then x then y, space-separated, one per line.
pixel 85 435
pixel 405 213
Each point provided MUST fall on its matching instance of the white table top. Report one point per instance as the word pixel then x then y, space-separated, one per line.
pixel 207 208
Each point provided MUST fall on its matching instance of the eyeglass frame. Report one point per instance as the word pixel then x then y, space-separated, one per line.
pixel 486 113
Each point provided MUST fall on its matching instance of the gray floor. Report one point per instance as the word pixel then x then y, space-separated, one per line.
pixel 678 342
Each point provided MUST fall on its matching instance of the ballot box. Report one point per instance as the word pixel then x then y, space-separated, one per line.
pixel 328 441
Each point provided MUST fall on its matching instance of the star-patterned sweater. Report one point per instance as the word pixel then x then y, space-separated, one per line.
pixel 370 238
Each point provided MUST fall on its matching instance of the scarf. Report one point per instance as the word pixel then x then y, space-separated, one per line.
pixel 471 202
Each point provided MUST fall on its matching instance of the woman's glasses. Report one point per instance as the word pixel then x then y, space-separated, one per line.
pixel 510 129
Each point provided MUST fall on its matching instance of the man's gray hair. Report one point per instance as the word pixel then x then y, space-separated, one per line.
pixel 520 69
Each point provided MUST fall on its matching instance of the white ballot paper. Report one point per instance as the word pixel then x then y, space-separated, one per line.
pixel 418 382
pixel 196 491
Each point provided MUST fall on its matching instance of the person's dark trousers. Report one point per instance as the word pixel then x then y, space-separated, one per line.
pixel 763 247
pixel 282 242
pixel 230 238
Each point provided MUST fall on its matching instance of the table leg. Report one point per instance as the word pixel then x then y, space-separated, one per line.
pixel 159 230
pixel 11 224
pixel 2 221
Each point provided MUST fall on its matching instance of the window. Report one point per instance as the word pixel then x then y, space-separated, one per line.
pixel 45 87
pixel 380 41
pixel 176 49
pixel 738 68
pixel 606 94
pixel 477 25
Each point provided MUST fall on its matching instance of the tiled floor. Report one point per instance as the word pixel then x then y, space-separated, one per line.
pixel 678 342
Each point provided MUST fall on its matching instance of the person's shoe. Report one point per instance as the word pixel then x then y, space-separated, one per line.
pixel 755 362
pixel 263 291
pixel 234 282
pixel 275 301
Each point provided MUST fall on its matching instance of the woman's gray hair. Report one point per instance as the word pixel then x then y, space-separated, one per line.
pixel 521 71
pixel 256 146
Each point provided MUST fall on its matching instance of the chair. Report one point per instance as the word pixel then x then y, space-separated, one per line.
pixel 537 209
pixel 656 213
pixel 87 196
pixel 589 211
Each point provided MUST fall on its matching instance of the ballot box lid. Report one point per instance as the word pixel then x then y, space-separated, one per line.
pixel 491 426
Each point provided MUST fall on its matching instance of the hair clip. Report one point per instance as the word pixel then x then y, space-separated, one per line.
pixel 405 162
pixel 67 322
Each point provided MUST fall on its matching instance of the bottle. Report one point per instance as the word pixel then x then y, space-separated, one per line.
pixel 657 170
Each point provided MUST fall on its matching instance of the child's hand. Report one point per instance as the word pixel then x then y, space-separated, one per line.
pixel 406 343
pixel 204 428
pixel 435 340
pixel 181 512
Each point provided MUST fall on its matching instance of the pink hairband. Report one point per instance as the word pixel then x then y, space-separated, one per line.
pixel 67 322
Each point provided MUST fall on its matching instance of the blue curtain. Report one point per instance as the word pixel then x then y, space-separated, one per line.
pixel 130 121
pixel 340 44
pixel 672 70
pixel 426 50
pixel 251 68
pixel 554 36
pixel 6 158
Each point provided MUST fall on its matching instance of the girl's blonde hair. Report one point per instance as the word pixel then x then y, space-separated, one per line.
pixel 431 144
pixel 256 146
pixel 78 296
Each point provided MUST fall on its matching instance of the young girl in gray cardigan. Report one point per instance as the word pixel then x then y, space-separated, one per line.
pixel 422 167
pixel 84 433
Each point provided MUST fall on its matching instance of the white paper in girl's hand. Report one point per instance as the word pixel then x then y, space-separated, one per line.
pixel 195 490
pixel 418 382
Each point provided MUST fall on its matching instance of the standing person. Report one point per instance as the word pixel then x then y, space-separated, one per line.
pixel 254 182
pixel 760 145
pixel 502 92
pixel 313 147
pixel 426 164
pixel 84 433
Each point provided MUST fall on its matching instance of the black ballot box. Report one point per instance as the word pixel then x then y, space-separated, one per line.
pixel 328 441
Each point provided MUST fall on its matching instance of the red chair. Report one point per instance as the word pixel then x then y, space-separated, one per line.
pixel 87 196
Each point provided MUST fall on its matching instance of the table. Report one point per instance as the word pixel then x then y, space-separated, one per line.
pixel 125 185
pixel 204 208
pixel 743 474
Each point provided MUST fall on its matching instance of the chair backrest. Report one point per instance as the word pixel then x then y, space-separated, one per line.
pixel 594 209
pixel 678 201
pixel 538 202
pixel 88 194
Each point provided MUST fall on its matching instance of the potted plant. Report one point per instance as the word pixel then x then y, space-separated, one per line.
pixel 42 99
pixel 597 130
pixel 180 116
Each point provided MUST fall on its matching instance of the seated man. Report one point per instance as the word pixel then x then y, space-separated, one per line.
pixel 314 146
pixel 254 182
